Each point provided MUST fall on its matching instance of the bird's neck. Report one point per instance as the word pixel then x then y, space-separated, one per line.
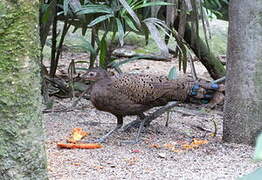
pixel 104 80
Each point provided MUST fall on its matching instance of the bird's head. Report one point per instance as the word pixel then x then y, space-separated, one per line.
pixel 95 74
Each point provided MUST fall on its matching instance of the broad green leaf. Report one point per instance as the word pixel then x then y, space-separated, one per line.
pixel 131 12
pixel 66 6
pixel 48 10
pixel 121 32
pixel 103 53
pixel 156 3
pixel 46 18
pixel 157 37
pixel 100 19
pixel 172 73
pixel 86 46
pixel 162 26
pixel 130 23
pixel 80 62
pixel 117 64
pixel 75 5
pixel 93 9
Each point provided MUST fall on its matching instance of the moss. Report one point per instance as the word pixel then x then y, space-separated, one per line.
pixel 258 79
pixel 21 145
pixel 141 51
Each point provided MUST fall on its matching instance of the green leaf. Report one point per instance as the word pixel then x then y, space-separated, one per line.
pixel 81 69
pixel 117 64
pixel 100 19
pixel 130 11
pixel 172 73
pixel 103 53
pixel 80 62
pixel 75 5
pixel 121 32
pixel 94 9
pixel 48 10
pixel 130 23
pixel 156 36
pixel 66 6
pixel 156 3
pixel 258 151
pixel 86 46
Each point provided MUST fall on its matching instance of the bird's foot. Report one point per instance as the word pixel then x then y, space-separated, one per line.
pixel 135 141
pixel 133 124
pixel 100 140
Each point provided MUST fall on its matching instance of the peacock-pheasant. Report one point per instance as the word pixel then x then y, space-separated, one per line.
pixel 133 94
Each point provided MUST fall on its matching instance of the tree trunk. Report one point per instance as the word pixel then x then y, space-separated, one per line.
pixel 22 153
pixel 243 102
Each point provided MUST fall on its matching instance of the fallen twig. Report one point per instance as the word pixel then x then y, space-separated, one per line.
pixel 159 112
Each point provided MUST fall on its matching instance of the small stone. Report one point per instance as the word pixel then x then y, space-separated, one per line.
pixel 162 155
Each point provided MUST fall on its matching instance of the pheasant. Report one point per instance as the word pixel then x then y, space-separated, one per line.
pixel 133 94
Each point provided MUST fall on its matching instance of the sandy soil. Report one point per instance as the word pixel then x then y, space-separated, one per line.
pixel 163 152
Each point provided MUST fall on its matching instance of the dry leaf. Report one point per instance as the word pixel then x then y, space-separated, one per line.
pixel 176 150
pixel 168 146
pixel 99 167
pixel 157 146
pixel 76 135
pixel 194 144
pixel 199 141
pixel 76 164
pixel 188 146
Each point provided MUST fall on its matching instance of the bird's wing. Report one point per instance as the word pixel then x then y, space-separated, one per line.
pixel 144 89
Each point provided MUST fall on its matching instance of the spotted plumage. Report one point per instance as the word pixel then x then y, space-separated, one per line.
pixel 133 94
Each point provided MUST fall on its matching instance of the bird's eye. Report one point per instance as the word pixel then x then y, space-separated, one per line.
pixel 92 74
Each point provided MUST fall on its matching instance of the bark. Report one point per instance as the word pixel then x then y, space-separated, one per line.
pixel 22 153
pixel 243 102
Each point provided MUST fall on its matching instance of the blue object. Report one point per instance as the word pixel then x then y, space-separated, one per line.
pixel 204 101
pixel 208 96
pixel 196 87
pixel 256 175
pixel 193 93
pixel 214 86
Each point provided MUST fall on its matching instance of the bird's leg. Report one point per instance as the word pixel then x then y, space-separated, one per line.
pixel 134 123
pixel 118 126
pixel 141 127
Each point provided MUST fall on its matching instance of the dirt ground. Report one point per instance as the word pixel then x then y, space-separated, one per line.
pixel 185 149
